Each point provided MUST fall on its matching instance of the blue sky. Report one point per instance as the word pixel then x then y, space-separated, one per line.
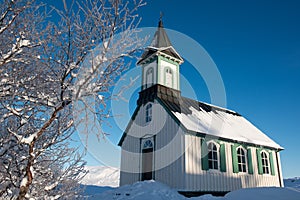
pixel 256 47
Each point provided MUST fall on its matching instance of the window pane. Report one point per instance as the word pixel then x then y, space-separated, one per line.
pixel 215 154
pixel 215 164
pixel 244 168
pixel 243 159
pixel 210 165
pixel 240 168
pixel 214 147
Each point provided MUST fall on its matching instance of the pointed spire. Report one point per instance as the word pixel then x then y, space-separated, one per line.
pixel 161 38
pixel 160 44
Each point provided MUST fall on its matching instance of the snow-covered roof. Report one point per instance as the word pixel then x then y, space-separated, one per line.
pixel 210 120
pixel 203 118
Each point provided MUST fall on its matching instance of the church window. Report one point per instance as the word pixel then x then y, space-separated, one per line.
pixel 148 113
pixel 148 144
pixel 149 77
pixel 168 77
pixel 213 162
pixel 241 155
pixel 265 162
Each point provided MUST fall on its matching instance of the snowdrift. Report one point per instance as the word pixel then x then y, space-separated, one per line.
pixel 101 183
pixel 149 190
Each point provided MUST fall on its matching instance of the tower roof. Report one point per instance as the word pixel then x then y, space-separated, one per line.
pixel 161 38
pixel 160 45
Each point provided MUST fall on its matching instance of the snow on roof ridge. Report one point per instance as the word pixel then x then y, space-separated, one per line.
pixel 159 48
pixel 214 106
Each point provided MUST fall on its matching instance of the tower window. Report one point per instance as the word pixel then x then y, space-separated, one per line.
pixel 265 163
pixel 148 113
pixel 213 156
pixel 149 77
pixel 241 155
pixel 168 77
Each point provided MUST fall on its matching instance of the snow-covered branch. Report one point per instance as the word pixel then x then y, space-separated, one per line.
pixel 45 69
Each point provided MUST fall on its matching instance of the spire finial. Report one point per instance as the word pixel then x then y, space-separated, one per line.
pixel 160 24
pixel 161 15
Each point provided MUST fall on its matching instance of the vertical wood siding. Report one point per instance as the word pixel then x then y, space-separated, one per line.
pixel 215 180
pixel 169 142
pixel 177 158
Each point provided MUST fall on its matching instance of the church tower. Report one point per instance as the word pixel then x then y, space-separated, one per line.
pixel 160 62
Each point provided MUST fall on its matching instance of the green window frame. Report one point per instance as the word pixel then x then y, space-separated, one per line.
pixel 265 161
pixel 207 162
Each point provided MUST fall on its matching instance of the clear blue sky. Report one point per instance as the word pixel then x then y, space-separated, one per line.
pixel 256 47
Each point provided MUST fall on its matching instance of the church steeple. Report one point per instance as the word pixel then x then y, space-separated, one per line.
pixel 161 38
pixel 160 44
pixel 160 61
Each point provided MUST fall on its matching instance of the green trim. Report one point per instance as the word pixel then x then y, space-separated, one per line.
pixel 175 73
pixel 199 134
pixel 235 166
pixel 222 158
pixel 204 155
pixel 149 60
pixel 272 163
pixel 259 161
pixel 168 60
pixel 249 158
pixel 143 71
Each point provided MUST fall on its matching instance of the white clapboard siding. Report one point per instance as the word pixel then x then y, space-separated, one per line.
pixel 169 141
pixel 213 180
pixel 168 148
pixel 130 159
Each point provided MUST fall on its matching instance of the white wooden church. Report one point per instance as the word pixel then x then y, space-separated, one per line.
pixel 189 145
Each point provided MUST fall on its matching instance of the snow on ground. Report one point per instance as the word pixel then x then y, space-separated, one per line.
pixel 292 182
pixel 149 190
pixel 101 184
pixel 146 190
pixel 102 176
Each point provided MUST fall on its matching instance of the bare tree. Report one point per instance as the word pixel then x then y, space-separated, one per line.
pixel 47 68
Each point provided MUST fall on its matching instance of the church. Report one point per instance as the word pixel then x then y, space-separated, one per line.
pixel 191 146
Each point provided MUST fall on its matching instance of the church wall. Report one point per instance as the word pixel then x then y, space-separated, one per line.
pixel 169 160
pixel 168 163
pixel 130 167
pixel 279 168
pixel 215 180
